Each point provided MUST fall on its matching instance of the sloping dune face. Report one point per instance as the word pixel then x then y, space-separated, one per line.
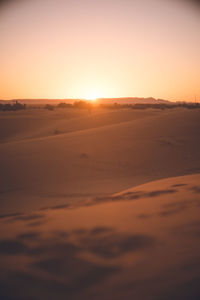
pixel 142 243
pixel 37 123
pixel 66 156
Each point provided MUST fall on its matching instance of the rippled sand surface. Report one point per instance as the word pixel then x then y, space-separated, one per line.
pixel 142 243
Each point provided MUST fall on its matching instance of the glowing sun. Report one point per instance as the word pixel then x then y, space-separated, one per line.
pixel 92 96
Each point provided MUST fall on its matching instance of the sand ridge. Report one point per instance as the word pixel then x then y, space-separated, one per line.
pixel 101 160
pixel 109 247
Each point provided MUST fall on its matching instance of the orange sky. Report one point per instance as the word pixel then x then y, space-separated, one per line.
pixel 99 48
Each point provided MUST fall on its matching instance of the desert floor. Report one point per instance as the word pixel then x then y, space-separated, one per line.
pixel 100 205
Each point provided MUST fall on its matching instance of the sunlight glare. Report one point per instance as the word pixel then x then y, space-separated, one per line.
pixel 92 96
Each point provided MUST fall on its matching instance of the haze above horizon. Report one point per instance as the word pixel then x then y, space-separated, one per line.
pixel 100 49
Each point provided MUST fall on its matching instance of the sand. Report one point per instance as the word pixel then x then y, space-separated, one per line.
pixel 142 243
pixel 91 154
pixel 100 205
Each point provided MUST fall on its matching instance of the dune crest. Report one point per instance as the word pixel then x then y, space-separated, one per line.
pixel 123 246
pixel 114 151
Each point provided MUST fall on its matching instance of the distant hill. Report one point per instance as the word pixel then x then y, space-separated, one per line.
pixel 133 100
pixel 125 100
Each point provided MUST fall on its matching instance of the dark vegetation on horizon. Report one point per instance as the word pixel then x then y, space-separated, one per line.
pixel 12 106
pixel 90 105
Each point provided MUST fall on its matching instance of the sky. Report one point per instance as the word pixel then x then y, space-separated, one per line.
pixel 100 48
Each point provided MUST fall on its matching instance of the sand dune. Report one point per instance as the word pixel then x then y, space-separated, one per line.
pixel 142 243
pixel 29 124
pixel 95 155
pixel 90 207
